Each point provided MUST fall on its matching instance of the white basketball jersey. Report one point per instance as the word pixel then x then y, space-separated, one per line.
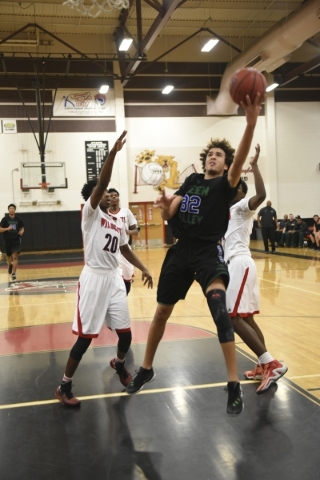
pixel 103 235
pixel 237 237
pixel 127 218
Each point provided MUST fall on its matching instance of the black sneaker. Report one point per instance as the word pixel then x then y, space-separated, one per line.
pixel 10 269
pixel 142 377
pixel 235 402
pixel 124 376
pixel 13 276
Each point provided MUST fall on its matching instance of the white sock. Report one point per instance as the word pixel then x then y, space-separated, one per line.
pixel 119 360
pixel 66 379
pixel 265 358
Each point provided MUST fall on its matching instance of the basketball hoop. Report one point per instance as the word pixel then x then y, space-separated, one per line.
pixel 44 185
pixel 97 6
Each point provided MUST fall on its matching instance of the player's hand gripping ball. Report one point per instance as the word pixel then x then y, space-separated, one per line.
pixel 247 81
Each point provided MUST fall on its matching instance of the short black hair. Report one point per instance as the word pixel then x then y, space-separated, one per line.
pixel 244 186
pixel 88 188
pixel 218 143
pixel 111 190
pixel 12 205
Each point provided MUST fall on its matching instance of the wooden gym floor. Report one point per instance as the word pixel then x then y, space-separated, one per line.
pixel 176 428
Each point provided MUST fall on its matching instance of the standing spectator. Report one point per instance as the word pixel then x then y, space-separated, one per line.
pixel 314 235
pixel 12 228
pixel 280 234
pixel 301 229
pixel 267 220
pixel 290 231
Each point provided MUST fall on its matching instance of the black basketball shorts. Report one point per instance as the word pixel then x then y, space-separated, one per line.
pixel 184 264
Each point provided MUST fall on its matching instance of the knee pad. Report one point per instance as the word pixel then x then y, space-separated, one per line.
pixel 79 348
pixel 124 340
pixel 216 300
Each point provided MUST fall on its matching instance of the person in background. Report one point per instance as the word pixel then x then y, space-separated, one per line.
pixel 130 224
pixel 267 221
pixel 12 228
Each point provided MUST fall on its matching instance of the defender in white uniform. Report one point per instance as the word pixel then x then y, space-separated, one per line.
pixel 101 294
pixel 243 291
pixel 130 223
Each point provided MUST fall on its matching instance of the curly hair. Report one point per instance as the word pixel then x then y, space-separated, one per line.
pixel 218 143
pixel 88 188
pixel 244 186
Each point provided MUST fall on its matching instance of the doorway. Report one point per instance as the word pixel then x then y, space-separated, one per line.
pixel 152 232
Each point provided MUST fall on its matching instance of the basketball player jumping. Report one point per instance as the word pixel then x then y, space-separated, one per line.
pixel 101 294
pixel 243 291
pixel 198 215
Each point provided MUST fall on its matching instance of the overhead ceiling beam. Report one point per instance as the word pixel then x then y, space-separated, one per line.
pixel 35 25
pixel 298 72
pixel 158 25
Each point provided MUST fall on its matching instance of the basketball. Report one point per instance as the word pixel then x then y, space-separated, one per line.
pixel 152 173
pixel 247 81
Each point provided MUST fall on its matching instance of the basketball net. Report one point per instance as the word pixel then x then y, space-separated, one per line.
pixel 97 6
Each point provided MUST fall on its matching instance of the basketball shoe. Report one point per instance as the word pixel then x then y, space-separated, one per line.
pixel 124 376
pixel 142 377
pixel 255 374
pixel 235 402
pixel 65 395
pixel 272 371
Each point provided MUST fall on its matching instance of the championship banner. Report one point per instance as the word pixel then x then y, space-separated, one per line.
pixel 84 103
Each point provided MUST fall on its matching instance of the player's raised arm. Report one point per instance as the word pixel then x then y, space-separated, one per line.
pixel 261 194
pixel 252 112
pixel 168 205
pixel 105 174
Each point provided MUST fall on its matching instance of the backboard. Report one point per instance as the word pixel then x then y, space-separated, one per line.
pixel 37 175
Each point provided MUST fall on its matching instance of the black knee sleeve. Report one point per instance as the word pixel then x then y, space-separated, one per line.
pixel 216 300
pixel 79 348
pixel 128 286
pixel 124 340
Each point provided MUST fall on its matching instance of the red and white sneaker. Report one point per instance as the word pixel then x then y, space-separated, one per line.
pixel 65 395
pixel 255 374
pixel 124 376
pixel 272 371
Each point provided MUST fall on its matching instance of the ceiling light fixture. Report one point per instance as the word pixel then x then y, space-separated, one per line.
pixel 125 44
pixel 167 89
pixel 104 88
pixel 272 87
pixel 209 45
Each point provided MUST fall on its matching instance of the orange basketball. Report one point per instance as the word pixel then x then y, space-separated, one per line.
pixel 247 81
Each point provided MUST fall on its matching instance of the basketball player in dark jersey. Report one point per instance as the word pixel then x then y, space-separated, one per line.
pixel 198 215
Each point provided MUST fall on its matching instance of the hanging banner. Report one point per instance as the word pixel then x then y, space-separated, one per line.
pixel 84 103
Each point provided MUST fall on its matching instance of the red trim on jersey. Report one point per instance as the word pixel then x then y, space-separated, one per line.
pixel 114 213
pixel 245 315
pixel 234 313
pixel 123 330
pixel 82 335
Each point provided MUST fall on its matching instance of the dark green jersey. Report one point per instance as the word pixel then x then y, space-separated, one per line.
pixel 204 211
pixel 11 235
